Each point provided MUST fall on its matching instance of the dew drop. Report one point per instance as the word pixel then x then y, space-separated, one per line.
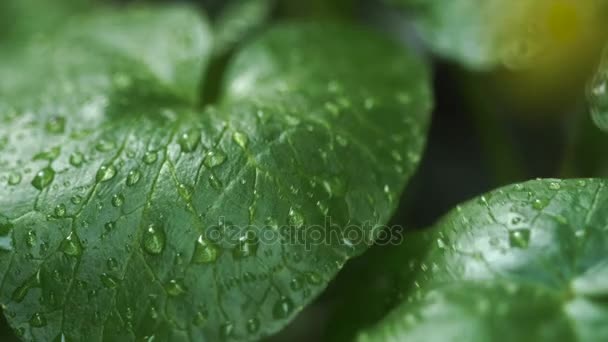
pixel 56 125
pixel 295 218
pixel 118 200
pixel 76 159
pixel 150 157
pixel 282 308
pixel 154 240
pixel 43 178
pixel 20 292
pixel 105 173
pixel 240 139
pixel 37 320
pixel 133 177
pixel 175 288
pixel 185 191
pixel 247 245
pixel 313 278
pixel 226 330
pixel 253 325
pixel 200 318
pixel 296 284
pixel 71 245
pixel 30 238
pixel 214 158
pixel 105 145
pixel 554 186
pixel 76 199
pixel 539 204
pixel 112 264
pixel 189 140
pixel 519 238
pixel 215 182
pixel 204 252
pixel 14 178
pixel 60 210
pixel 108 281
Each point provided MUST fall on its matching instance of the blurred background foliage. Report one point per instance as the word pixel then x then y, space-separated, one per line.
pixel 509 84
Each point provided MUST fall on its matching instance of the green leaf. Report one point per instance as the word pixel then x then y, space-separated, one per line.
pixel 526 262
pixel 127 211
pixel 240 19
pixel 597 94
pixel 483 34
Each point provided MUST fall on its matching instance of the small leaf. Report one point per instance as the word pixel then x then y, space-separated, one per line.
pixel 167 221
pixel 525 262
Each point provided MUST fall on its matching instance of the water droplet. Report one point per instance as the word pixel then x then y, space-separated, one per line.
pixel 105 173
pixel 60 210
pixel 214 158
pixel 56 125
pixel 43 178
pixel 282 308
pixel 519 238
pixel 118 200
pixel 240 139
pixel 154 240
pixel 71 245
pixel 14 178
pixel 133 177
pixel 253 325
pixel 76 199
pixel 175 288
pixel 51 154
pixel 295 218
pixel 214 182
pixel 150 157
pixel 539 204
pixel 19 294
pixel 188 140
pixel 204 252
pixel 185 192
pixel 76 159
pixel 105 145
pixel 30 238
pixel 581 183
pixel 247 245
pixel 108 281
pixel 296 284
pixel 554 186
pixel 112 264
pixel 37 320
pixel 226 330
pixel 313 278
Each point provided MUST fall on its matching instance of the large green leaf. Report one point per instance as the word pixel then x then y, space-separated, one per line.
pixel 487 33
pixel 127 211
pixel 526 262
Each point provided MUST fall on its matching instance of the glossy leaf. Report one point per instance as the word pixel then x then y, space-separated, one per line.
pixel 597 94
pixel 129 212
pixel 526 262
pixel 239 20
pixel 485 34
